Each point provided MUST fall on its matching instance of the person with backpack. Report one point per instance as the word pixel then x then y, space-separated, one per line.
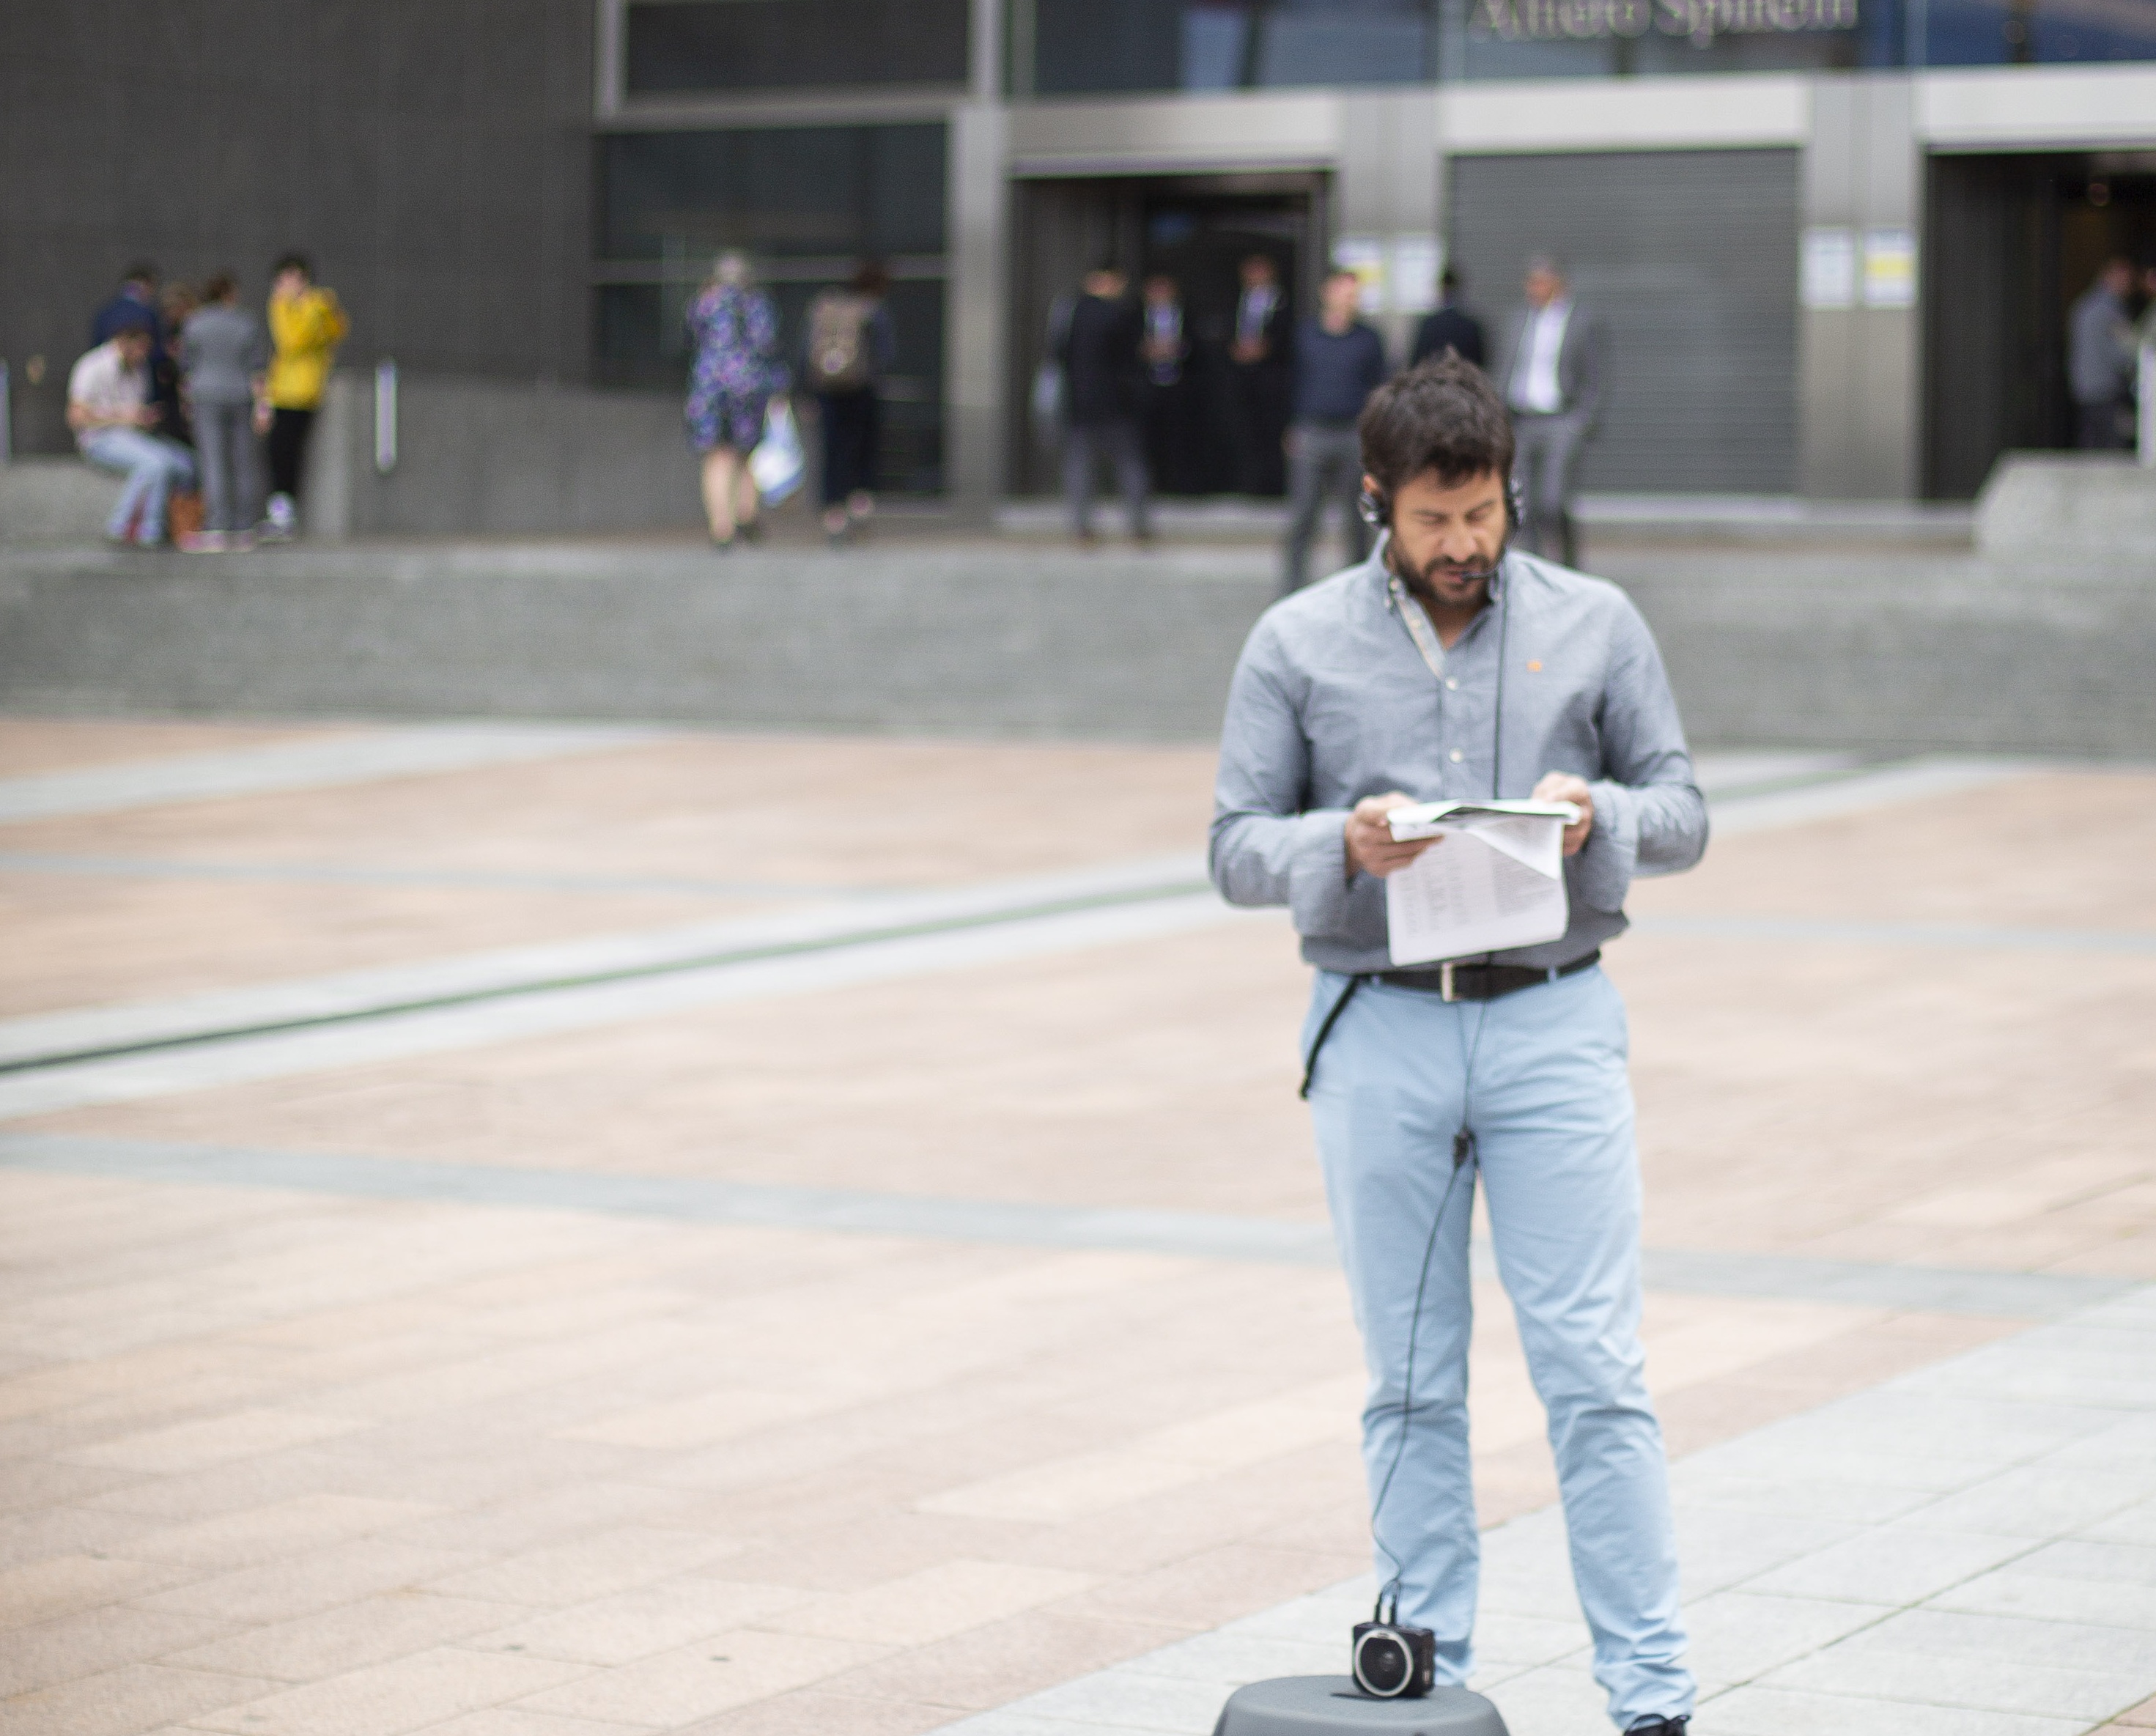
pixel 848 350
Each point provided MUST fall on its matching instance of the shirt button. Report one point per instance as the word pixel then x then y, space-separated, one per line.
pixel 1452 681
pixel 1455 756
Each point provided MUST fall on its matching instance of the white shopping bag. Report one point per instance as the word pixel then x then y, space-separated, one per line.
pixel 776 465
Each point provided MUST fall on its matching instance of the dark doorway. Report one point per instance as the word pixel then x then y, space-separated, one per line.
pixel 1197 229
pixel 2012 243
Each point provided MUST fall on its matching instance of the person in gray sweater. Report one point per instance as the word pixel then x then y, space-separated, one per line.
pixel 223 353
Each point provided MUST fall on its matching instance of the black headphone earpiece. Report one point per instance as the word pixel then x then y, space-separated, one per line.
pixel 1375 508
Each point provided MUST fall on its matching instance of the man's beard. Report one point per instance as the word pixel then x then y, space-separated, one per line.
pixel 1470 586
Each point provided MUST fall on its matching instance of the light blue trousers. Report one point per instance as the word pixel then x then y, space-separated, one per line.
pixel 1549 1102
pixel 153 466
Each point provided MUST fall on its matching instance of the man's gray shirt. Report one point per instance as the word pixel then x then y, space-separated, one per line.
pixel 1332 702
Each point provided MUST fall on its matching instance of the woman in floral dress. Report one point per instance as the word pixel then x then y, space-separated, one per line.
pixel 735 374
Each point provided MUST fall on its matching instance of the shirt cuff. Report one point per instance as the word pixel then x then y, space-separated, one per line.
pixel 1317 872
pixel 1603 870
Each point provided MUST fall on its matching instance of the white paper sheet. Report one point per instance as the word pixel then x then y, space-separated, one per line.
pixel 1489 883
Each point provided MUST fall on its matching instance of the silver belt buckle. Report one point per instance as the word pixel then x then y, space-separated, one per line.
pixel 1445 982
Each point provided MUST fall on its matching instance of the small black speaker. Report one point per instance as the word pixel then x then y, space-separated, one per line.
pixel 1333 1706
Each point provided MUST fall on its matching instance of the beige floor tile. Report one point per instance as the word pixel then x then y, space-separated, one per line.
pixel 631 1625
pixel 375 1630
pixel 40 1590
pixel 509 1721
pixel 124 1701
pixel 30 746
pixel 694 1682
pixel 322 1579
pixel 590 1567
pixel 389 1699
pixel 36 1486
pixel 283 1528
pixel 551 1514
pixel 991 1666
pixel 215 1440
pixel 43 1533
pixel 933 1603
pixel 93 1641
pixel 1219 1585
pixel 810 1711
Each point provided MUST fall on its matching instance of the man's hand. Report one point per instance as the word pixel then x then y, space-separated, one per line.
pixel 1563 787
pixel 1370 846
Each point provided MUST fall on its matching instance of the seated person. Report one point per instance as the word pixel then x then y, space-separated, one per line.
pixel 108 408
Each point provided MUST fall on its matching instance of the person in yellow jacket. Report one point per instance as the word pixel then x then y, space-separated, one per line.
pixel 306 324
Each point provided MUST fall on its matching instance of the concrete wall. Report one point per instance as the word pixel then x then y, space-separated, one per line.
pixel 1860 390
pixel 2045 506
pixel 434 155
pixel 1888 654
pixel 476 457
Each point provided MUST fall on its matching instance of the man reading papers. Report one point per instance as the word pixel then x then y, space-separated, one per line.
pixel 1460 1033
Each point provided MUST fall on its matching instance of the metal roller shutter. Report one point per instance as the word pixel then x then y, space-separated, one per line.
pixel 1691 257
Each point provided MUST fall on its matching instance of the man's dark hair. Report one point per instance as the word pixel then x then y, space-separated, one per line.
pixel 1445 417
pixel 142 271
pixel 220 285
pixel 1451 282
pixel 298 262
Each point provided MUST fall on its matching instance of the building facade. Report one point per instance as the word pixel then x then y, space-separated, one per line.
pixel 1834 240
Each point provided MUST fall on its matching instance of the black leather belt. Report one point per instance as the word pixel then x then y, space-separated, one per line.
pixel 1481 981
pixel 1449 982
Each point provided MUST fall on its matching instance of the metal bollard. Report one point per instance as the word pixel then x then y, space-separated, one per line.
pixel 385 417
pixel 2144 408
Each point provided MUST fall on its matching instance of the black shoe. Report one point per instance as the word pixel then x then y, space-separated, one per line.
pixel 1659 1726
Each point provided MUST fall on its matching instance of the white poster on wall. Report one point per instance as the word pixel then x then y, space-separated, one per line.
pixel 1829 271
pixel 1365 256
pixel 1889 268
pixel 1417 259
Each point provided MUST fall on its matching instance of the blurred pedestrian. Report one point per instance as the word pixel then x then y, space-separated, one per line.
pixel 734 376
pixel 306 325
pixel 1104 381
pixel 2101 362
pixel 848 350
pixel 1552 376
pixel 1170 421
pixel 136 296
pixel 1339 361
pixel 1449 327
pixel 110 412
pixel 1258 376
pixel 176 302
pixel 224 357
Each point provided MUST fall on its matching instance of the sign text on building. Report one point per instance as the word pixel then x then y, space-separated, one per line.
pixel 1701 20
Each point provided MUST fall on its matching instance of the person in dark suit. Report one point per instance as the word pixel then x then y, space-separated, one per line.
pixel 1258 362
pixel 1106 382
pixel 1451 327
pixel 1171 422
pixel 1552 375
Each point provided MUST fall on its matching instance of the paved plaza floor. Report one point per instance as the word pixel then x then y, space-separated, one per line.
pixel 551 1231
